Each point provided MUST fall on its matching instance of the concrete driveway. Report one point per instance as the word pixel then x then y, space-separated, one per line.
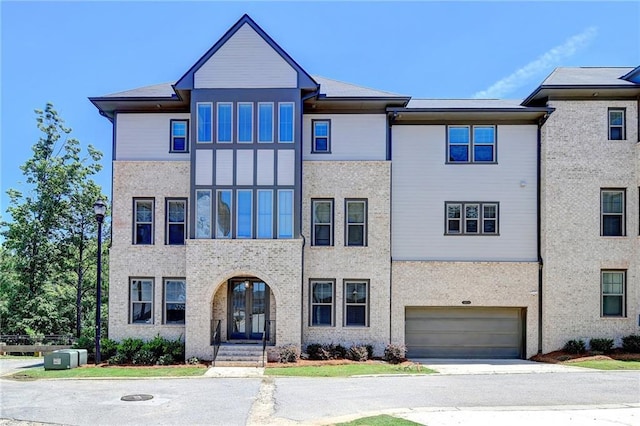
pixel 494 366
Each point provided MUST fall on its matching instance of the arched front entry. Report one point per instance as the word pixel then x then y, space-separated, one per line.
pixel 248 309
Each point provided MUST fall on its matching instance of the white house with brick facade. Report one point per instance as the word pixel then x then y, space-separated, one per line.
pixel 253 200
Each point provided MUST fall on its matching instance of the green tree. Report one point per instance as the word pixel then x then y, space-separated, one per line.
pixel 48 242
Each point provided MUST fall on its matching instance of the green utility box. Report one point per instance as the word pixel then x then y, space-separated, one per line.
pixel 80 353
pixel 60 360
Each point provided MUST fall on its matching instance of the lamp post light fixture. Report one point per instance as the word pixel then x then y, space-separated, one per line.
pixel 100 209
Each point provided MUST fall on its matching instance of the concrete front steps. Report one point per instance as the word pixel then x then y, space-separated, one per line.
pixel 240 355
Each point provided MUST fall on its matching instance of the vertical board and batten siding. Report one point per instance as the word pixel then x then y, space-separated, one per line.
pixel 422 182
pixel 246 60
pixel 146 137
pixel 353 137
pixel 204 167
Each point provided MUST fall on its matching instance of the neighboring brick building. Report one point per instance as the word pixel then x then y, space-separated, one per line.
pixel 250 196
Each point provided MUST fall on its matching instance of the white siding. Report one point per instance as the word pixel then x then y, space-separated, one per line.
pixel 353 137
pixel 204 167
pixel 422 182
pixel 224 167
pixel 286 167
pixel 265 167
pixel 146 137
pixel 244 167
pixel 245 60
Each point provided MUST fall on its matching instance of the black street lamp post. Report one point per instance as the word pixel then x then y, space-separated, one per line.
pixel 99 208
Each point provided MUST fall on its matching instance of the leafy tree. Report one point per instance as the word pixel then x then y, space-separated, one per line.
pixel 49 245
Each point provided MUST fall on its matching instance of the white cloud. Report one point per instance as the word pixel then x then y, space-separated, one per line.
pixel 544 63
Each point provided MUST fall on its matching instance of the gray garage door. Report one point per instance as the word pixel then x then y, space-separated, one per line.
pixel 464 332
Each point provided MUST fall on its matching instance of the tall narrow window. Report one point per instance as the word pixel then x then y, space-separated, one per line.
pixel 245 122
pixel 612 212
pixel 356 306
pixel 204 122
pixel 471 218
pixel 322 220
pixel 285 213
pixel 179 136
pixel 203 213
pixel 225 122
pixel 245 216
pixel 265 122
pixel 489 218
pixel 176 213
pixel 321 141
pixel 141 299
pixel 616 124
pixel 265 214
pixel 459 142
pixel 454 219
pixel 322 299
pixel 356 215
pixel 143 221
pixel 285 119
pixel 175 298
pixel 613 293
pixel 223 214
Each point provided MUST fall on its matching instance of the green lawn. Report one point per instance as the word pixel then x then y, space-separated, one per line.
pixel 382 420
pixel 344 370
pixel 90 371
pixel 607 364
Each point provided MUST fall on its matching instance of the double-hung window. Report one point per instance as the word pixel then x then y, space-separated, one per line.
pixel 265 122
pixel 176 214
pixel 175 297
pixel 285 120
pixel 613 293
pixel 143 221
pixel 225 122
pixel 245 122
pixel 616 124
pixel 322 222
pixel 356 303
pixel 141 300
pixel 471 218
pixel 179 136
pixel 612 212
pixel 321 136
pixel 224 207
pixel 204 122
pixel 356 222
pixel 471 144
pixel 322 303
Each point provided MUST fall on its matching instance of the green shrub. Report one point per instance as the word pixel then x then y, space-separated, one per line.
pixel 631 343
pixel 165 360
pixel 129 347
pixel 575 346
pixel 289 353
pixel 601 345
pixel 157 346
pixel 175 348
pixel 358 353
pixel 394 354
pixel 193 361
pixel 117 359
pixel 85 342
pixel 369 351
pixel 144 357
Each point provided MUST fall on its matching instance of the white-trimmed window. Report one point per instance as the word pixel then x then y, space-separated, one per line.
pixel 224 113
pixel 176 221
pixel 356 303
pixel 179 136
pixel 322 222
pixel 141 301
pixel 265 213
pixel 356 223
pixel 322 303
pixel 321 136
pixel 224 209
pixel 613 293
pixel 612 212
pixel 143 221
pixel 285 122
pixel 245 122
pixel 616 124
pixel 285 213
pixel 205 111
pixel 471 218
pixel 471 144
pixel 175 298
pixel 265 122
pixel 244 213
pixel 203 213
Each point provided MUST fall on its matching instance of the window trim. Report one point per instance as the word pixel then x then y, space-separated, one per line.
pixel 623 295
pixel 172 137
pixel 260 122
pixel 251 215
pixel 217 215
pixel 196 208
pixel 230 128
pixel 463 219
pixel 293 122
pixel 623 214
pixel 167 223
pixel 365 224
pixel 623 126
pixel 135 220
pixel 238 106
pixel 279 217
pixel 346 304
pixel 332 305
pixel 198 140
pixel 272 212
pixel 132 302
pixel 471 144
pixel 314 149
pixel 331 222
pixel 165 301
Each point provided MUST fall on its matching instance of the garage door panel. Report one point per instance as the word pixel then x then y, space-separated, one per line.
pixel 463 325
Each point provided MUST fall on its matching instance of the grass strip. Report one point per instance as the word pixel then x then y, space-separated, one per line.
pixel 381 420
pixel 345 370
pixel 606 364
pixel 92 371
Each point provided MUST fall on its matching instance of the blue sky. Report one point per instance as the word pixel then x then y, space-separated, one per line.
pixel 65 52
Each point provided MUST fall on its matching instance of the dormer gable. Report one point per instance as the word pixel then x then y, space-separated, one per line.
pixel 633 76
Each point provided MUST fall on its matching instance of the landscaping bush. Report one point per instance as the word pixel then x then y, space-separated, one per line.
pixel 193 361
pixel 601 345
pixel 144 357
pixel 129 347
pixel 369 351
pixel 631 343
pixel 394 354
pixel 358 353
pixel 289 353
pixel 325 352
pixel 165 360
pixel 85 342
pixel 575 346
pixel 117 359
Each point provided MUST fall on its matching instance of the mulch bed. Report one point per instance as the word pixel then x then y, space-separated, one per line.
pixel 557 357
